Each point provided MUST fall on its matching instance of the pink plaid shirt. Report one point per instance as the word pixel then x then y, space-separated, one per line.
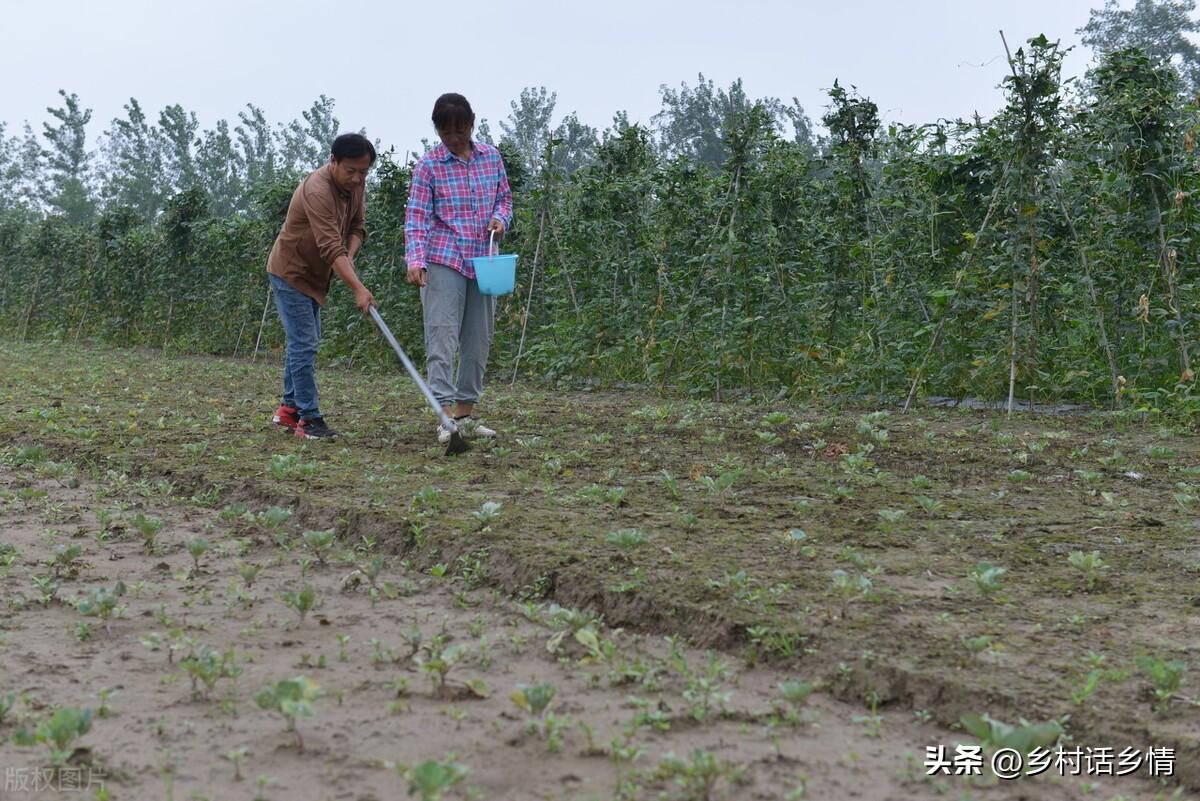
pixel 450 203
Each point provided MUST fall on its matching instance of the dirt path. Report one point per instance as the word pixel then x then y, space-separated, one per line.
pixel 638 698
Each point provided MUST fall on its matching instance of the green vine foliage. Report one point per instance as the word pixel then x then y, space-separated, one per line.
pixel 1048 253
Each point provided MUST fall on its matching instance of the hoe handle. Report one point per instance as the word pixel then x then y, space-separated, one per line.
pixel 412 371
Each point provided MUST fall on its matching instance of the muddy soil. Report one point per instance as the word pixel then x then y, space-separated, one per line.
pixel 715 523
pixel 158 736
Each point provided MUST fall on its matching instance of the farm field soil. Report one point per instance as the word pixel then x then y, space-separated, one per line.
pixel 159 738
pixel 837 547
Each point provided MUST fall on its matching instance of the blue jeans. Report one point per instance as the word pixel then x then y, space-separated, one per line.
pixel 301 318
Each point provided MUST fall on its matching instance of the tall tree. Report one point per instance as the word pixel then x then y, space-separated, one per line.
pixel 257 146
pixel 133 173
pixel 30 164
pixel 304 146
pixel 694 122
pixel 483 131
pixel 527 128
pixel 619 123
pixel 575 144
pixel 220 170
pixel 177 130
pixel 10 171
pixel 68 159
pixel 802 130
pixel 1158 27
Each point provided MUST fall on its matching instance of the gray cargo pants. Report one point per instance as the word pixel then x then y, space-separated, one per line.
pixel 459 321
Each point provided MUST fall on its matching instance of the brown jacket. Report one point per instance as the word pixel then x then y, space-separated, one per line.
pixel 321 218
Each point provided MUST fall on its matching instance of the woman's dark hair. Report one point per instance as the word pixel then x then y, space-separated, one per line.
pixel 452 112
pixel 352 146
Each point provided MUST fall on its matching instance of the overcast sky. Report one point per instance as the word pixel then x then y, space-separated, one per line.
pixel 919 60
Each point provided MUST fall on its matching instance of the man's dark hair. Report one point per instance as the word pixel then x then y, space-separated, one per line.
pixel 352 146
pixel 452 112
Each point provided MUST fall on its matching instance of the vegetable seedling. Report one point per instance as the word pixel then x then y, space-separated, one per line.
pixel 65 559
pixel 206 665
pixel 6 704
pixel 988 578
pixel 57 732
pixel 8 554
pixel 977 645
pixel 273 517
pixel 196 547
pixel 1090 565
pixel 432 779
pixel 1023 737
pixel 581 625
pixel 303 601
pixel 437 660
pixel 102 603
pixel 249 572
pixel 428 498
pixel 533 698
pixel 796 693
pixel 849 588
pixel 148 527
pixel 1165 675
pixel 320 542
pixel 487 513
pixel 292 698
pixel 627 538
pixel 703 691
pixel 235 755
pixel 698 775
pixel 928 505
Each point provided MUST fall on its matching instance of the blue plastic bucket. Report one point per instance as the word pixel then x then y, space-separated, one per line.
pixel 497 275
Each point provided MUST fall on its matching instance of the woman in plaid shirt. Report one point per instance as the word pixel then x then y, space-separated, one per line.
pixel 458 197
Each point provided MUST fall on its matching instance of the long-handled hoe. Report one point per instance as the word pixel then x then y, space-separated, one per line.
pixel 457 443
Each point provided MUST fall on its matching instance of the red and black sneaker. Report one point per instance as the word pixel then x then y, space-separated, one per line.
pixel 314 429
pixel 286 417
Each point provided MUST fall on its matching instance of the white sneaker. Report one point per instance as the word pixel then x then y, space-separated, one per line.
pixel 471 427
pixel 468 426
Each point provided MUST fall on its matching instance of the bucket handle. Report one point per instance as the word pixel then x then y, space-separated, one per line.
pixel 492 249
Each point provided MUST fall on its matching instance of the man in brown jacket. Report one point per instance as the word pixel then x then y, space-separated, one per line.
pixel 323 231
